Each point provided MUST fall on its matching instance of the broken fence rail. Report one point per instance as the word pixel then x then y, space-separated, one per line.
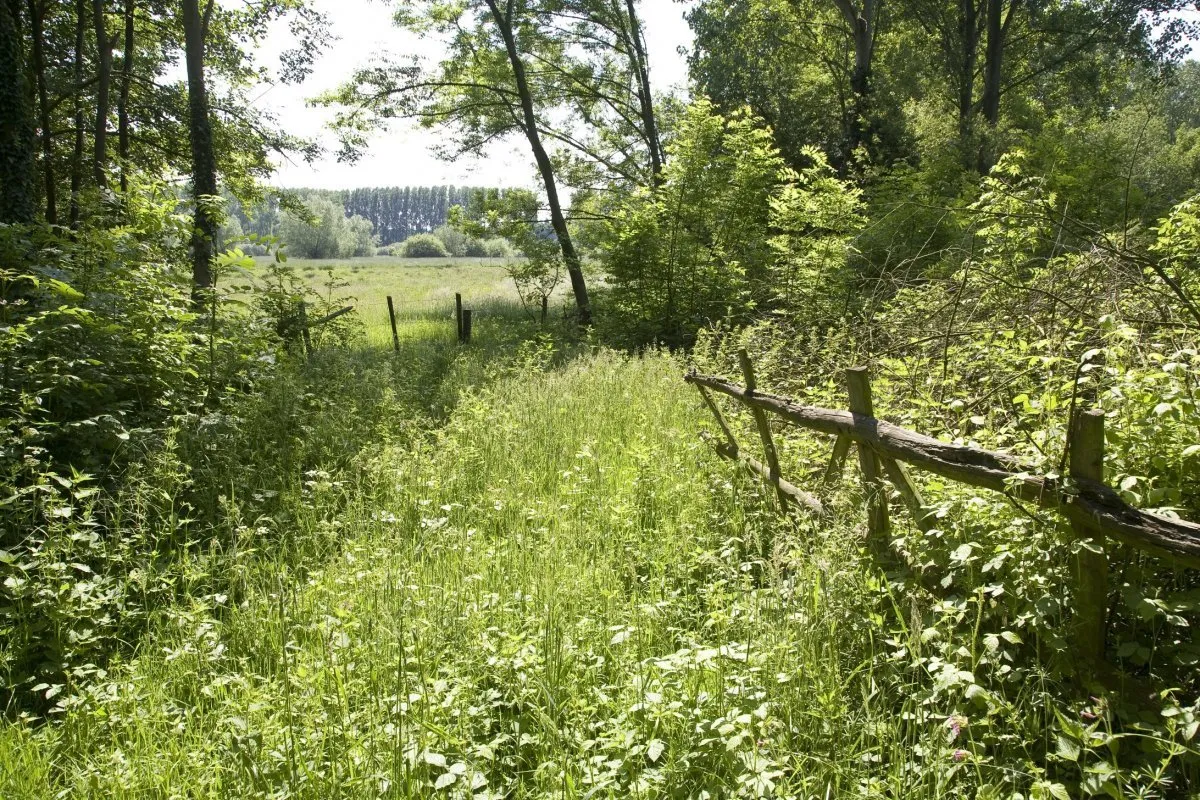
pixel 1083 501
pixel 1094 510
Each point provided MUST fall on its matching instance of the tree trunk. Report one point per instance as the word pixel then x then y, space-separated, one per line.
pixel 545 166
pixel 862 29
pixel 80 134
pixel 645 97
pixel 17 143
pixel 123 100
pixel 993 70
pixel 993 67
pixel 966 76
pixel 104 50
pixel 204 163
pixel 37 13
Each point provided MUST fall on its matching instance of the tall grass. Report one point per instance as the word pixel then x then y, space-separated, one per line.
pixel 556 595
pixel 513 570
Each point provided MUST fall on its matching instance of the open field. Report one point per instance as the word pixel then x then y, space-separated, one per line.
pixel 422 290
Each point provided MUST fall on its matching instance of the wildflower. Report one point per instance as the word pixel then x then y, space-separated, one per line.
pixel 960 756
pixel 955 724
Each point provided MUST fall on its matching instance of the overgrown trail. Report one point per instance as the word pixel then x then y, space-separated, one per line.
pixel 559 595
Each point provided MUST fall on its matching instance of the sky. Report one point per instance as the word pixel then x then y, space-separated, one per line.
pixel 402 156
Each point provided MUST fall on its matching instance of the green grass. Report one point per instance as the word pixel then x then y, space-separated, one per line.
pixel 554 597
pixel 422 290
pixel 512 570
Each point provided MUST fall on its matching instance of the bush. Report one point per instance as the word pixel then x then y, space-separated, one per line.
pixel 497 248
pixel 423 245
pixel 328 233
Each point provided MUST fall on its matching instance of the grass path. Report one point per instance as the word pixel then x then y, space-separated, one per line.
pixel 558 595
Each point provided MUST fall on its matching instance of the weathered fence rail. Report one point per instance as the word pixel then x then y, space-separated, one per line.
pixel 1094 510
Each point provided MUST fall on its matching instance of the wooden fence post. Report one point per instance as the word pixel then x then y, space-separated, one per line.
pixel 721 423
pixel 764 428
pixel 304 329
pixel 837 462
pixel 858 387
pixel 466 326
pixel 392 318
pixel 458 314
pixel 1086 444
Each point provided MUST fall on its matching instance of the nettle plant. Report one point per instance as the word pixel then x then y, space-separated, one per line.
pixel 118 404
pixel 997 348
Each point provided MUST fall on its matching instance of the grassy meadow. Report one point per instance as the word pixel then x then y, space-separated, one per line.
pixel 513 570
pixel 422 290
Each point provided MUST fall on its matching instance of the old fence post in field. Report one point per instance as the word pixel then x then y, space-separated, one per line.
pixel 304 329
pixel 392 319
pixel 1090 564
pixel 858 387
pixel 458 314
pixel 764 429
pixel 466 326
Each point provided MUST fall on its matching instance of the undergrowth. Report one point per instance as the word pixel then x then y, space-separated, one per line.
pixel 560 593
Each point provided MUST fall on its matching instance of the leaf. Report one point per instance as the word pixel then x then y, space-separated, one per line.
pixel 1066 748
pixel 446 779
pixel 436 759
pixel 655 749
pixel 1163 408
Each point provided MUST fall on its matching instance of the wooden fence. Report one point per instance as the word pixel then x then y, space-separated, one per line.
pixel 1096 512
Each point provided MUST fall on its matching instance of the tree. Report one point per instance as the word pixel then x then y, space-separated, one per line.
pixel 204 162
pixel 738 60
pixel 516 68
pixel 16 121
pixel 319 228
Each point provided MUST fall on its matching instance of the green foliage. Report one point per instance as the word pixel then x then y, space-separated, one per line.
pixel 510 219
pixel 498 247
pixel 459 244
pixel 322 230
pixel 424 245
pixel 731 232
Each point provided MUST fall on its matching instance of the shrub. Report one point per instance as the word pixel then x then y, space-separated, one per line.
pixel 497 247
pixel 424 245
pixel 327 233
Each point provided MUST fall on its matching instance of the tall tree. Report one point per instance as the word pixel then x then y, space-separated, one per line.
pixel 861 20
pixel 77 102
pixel 37 17
pixel 17 146
pixel 104 59
pixel 204 161
pixel 127 59
pixel 483 90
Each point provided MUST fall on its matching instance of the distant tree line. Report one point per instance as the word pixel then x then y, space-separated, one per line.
pixel 404 221
pixel 398 212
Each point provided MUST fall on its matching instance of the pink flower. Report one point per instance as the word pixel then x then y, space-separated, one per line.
pixel 956 724
pixel 960 755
